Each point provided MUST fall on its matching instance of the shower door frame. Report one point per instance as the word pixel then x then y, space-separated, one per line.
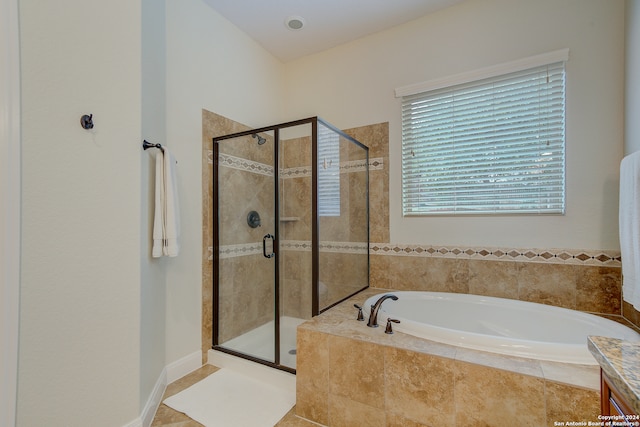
pixel 315 247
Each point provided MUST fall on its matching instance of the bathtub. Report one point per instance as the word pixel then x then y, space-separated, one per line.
pixel 498 325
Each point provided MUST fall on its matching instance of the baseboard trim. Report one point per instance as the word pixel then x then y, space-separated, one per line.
pixel 151 407
pixel 169 374
pixel 183 366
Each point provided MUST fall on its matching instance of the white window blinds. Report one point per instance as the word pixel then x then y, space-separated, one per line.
pixel 493 146
pixel 328 172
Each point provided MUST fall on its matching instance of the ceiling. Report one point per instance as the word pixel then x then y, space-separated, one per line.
pixel 328 23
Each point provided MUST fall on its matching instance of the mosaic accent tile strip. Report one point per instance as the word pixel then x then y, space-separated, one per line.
pixel 245 165
pixel 358 165
pixel 551 256
pixel 326 246
pixel 345 167
pixel 297 172
pixel 376 164
pixel 344 247
pixel 244 249
pixel 296 245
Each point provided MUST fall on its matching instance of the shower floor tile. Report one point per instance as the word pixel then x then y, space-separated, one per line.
pixel 167 417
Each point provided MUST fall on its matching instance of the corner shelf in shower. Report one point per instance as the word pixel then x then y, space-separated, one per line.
pixel 289 218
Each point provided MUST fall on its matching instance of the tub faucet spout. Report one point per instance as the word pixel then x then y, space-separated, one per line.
pixel 373 317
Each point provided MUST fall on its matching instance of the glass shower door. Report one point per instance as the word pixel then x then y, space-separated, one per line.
pixel 290 234
pixel 295 222
pixel 245 245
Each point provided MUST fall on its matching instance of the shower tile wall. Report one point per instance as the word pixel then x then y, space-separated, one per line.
pixel 295 228
pixel 583 280
pixel 343 238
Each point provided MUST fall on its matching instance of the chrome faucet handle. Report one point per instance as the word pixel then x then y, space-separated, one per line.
pixel 389 329
pixel 360 315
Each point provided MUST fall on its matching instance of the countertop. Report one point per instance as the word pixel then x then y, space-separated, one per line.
pixel 620 361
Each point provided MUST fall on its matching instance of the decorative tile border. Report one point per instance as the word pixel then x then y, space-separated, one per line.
pixel 551 256
pixel 296 245
pixel 344 247
pixel 326 246
pixel 245 165
pixel 345 167
pixel 376 164
pixel 244 249
pixel 297 172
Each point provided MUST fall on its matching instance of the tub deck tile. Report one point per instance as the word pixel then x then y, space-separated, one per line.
pixel 466 386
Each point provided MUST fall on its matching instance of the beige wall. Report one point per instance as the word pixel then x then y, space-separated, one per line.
pixel 632 82
pixel 10 207
pixel 353 85
pixel 81 214
pixel 152 270
pixel 214 66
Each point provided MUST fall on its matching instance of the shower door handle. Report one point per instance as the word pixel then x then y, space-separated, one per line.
pixel 264 245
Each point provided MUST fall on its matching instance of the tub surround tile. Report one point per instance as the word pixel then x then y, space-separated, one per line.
pixel 585 376
pixel 551 284
pixel 518 365
pixel 631 313
pixel 312 380
pixel 595 289
pixel 490 397
pixel 312 404
pixel 395 420
pixel 425 381
pixel 409 395
pixel 356 371
pixel 620 319
pixel 493 279
pixel 620 360
pixel 344 412
pixel 598 289
pixel 564 403
pixel 292 420
pixel 315 364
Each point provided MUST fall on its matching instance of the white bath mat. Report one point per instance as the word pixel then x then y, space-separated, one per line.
pixel 229 399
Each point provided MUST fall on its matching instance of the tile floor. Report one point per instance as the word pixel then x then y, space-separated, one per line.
pixel 167 417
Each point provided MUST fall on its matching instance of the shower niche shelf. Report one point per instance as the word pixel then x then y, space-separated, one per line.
pixel 289 218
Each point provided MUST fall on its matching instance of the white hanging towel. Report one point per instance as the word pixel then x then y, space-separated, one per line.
pixel 166 221
pixel 629 219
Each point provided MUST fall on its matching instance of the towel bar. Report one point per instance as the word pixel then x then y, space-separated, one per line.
pixel 146 145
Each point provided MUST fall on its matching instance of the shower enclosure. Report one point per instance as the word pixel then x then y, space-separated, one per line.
pixel 291 234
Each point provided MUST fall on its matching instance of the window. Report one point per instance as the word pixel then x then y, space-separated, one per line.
pixel 328 171
pixel 493 145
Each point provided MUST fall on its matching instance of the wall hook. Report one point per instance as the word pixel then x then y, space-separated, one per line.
pixel 86 121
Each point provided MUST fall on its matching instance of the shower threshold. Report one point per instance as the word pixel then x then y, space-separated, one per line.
pixel 258 342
